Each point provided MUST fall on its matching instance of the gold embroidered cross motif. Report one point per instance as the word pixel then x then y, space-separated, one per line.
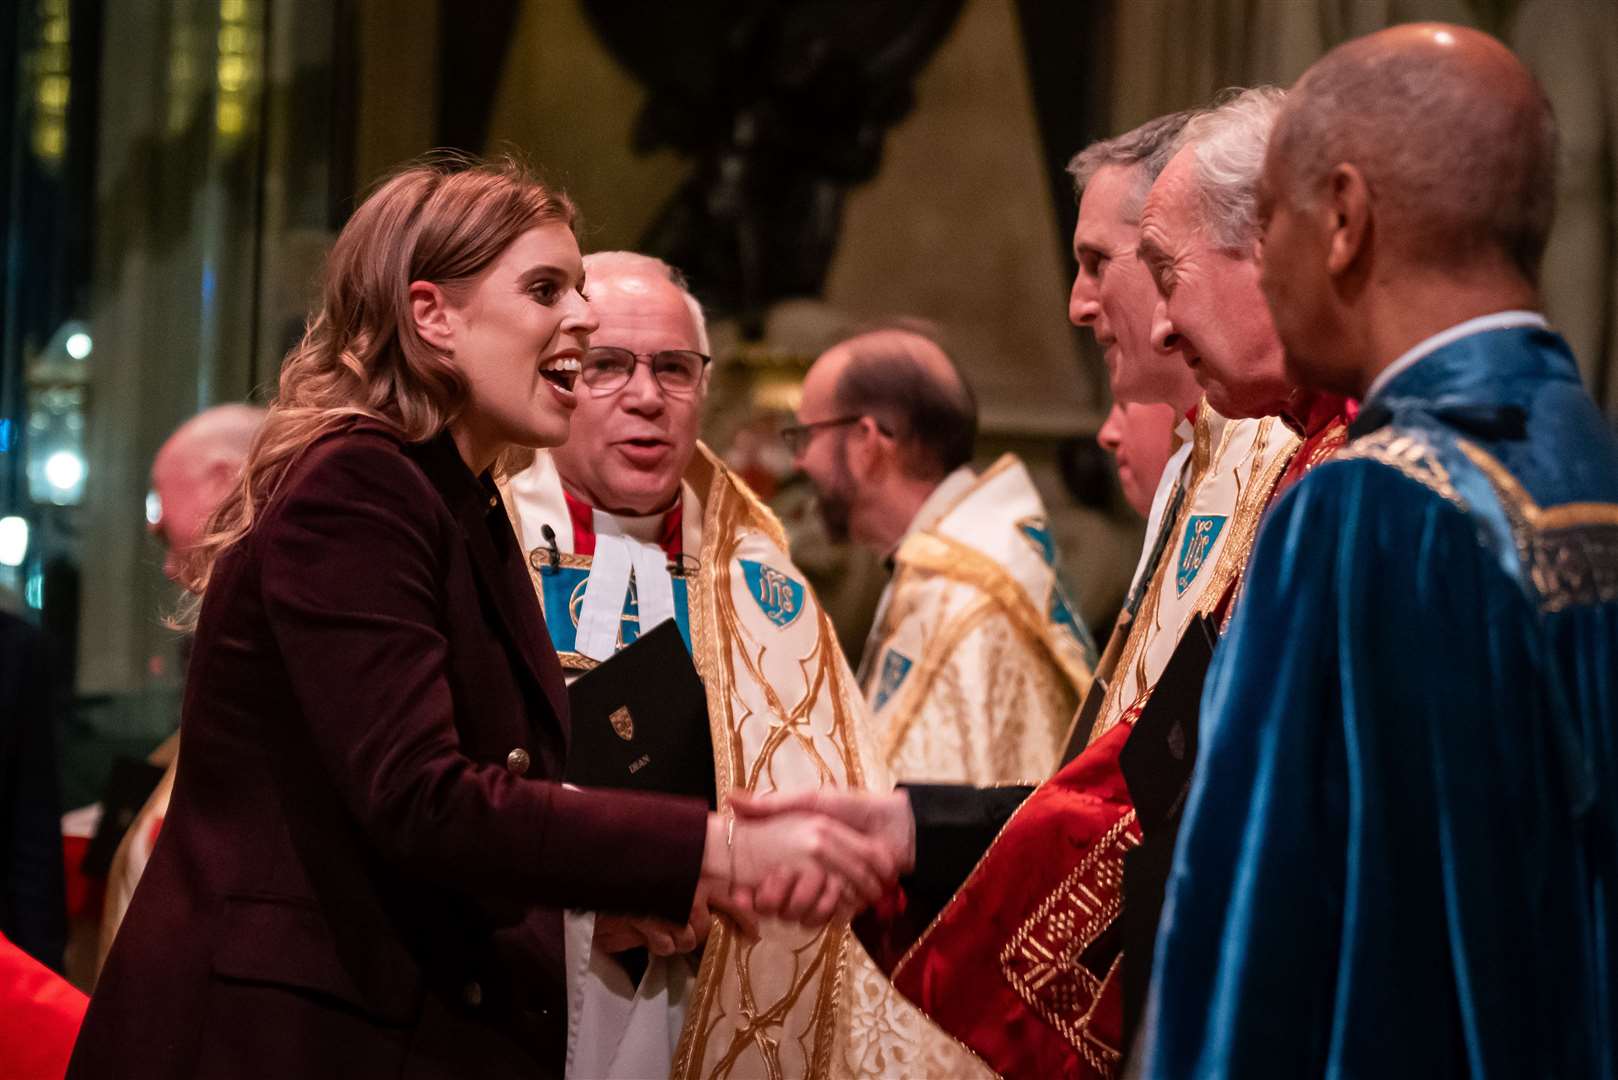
pixel 1061 960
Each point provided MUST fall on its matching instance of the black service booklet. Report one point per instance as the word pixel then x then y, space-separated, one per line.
pixel 640 720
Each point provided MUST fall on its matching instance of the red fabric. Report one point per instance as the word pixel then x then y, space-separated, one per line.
pixel 40 1013
pixel 1321 421
pixel 670 535
pixel 85 894
pixel 584 525
pixel 887 928
pixel 1022 964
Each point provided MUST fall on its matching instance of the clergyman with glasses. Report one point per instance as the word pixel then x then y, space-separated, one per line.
pixel 977 660
pixel 630 523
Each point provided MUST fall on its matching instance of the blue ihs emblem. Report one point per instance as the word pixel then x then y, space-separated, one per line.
pixel 1200 533
pixel 777 595
pixel 895 666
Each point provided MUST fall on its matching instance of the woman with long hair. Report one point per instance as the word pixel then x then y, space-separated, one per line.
pixel 368 846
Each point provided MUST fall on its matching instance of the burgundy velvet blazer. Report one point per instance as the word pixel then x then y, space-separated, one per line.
pixel 364 863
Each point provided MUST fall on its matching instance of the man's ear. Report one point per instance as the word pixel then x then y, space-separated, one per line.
pixel 869 451
pixel 1347 210
pixel 430 312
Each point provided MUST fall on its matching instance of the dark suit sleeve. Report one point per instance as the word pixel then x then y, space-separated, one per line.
pixel 351 576
pixel 33 908
pixel 955 824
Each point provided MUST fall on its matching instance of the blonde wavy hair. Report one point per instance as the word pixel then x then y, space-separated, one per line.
pixel 443 220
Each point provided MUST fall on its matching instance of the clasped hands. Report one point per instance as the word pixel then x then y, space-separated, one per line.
pixel 806 857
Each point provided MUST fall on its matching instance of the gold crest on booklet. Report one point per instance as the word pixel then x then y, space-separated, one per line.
pixel 622 723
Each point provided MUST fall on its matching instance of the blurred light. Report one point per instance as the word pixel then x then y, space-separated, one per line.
pixel 154 509
pixel 232 73
pixel 33 593
pixel 79 345
pixel 13 540
pixel 8 435
pixel 53 92
pixel 56 465
pixel 236 68
pixel 65 470
pixel 49 68
pixel 228 117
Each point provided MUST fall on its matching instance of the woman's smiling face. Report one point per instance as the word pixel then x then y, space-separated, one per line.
pixel 518 337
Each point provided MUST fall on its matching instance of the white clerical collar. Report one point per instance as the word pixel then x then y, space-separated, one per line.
pixel 945 495
pixel 647 528
pixel 1500 320
pixel 626 548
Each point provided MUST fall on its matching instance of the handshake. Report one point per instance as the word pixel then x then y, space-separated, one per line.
pixel 806 857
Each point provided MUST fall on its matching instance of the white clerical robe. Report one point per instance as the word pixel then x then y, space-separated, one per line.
pixel 977 660
pixel 785 714
pixel 1234 466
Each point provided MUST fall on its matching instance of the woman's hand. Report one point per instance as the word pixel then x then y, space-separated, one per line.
pixel 884 819
pixel 814 867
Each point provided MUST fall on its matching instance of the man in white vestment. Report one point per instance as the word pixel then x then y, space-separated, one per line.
pixel 631 523
pixel 976 660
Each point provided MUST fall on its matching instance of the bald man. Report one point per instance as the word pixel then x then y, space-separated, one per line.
pixel 194 470
pixel 976 661
pixel 192 473
pixel 1400 852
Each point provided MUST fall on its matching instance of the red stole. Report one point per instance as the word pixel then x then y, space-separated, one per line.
pixel 1022 965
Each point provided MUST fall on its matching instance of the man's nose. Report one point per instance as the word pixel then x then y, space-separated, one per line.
pixel 1165 339
pixel 642 393
pixel 1111 435
pixel 1084 302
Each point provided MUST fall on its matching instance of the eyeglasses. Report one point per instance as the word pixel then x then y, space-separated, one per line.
pixel 796 436
pixel 608 368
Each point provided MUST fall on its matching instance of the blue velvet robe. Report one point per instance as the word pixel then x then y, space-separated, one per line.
pixel 1400 851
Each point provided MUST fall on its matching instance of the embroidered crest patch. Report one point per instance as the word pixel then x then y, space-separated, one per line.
pixel 1200 533
pixel 895 666
pixel 777 595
